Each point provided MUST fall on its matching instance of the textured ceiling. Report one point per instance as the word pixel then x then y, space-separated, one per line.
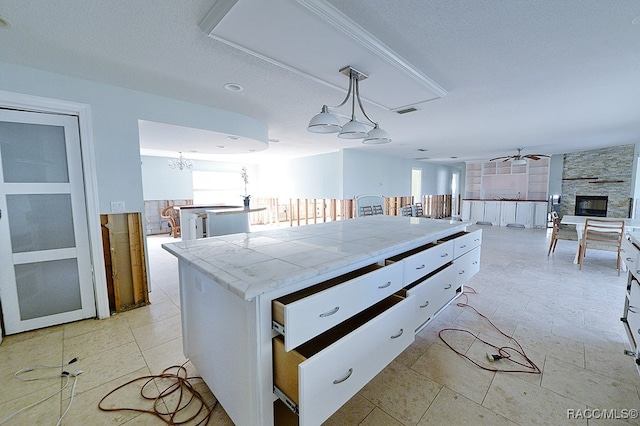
pixel 550 76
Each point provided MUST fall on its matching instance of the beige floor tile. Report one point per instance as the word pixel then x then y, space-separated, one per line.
pixel 526 403
pixel 612 362
pixel 401 392
pixel 165 355
pixel 587 387
pixel 414 351
pixel 351 413
pixel 44 349
pixel 93 342
pixel 450 408
pixel 84 408
pixel 443 366
pixel 74 329
pixel 379 418
pixel 561 347
pixel 28 335
pixel 108 365
pixel 158 332
pixel 46 412
pixel 150 314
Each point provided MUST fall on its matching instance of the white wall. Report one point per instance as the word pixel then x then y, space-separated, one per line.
pixel 371 173
pixel 115 112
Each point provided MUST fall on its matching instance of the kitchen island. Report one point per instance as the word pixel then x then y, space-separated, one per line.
pixel 297 320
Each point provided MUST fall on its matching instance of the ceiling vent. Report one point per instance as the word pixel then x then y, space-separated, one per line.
pixel 406 110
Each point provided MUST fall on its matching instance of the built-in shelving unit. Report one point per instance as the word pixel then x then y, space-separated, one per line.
pixel 503 179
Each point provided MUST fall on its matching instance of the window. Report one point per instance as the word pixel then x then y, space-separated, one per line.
pixel 217 188
pixel 416 185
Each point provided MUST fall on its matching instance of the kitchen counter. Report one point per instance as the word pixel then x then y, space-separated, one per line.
pixel 250 264
pixel 250 300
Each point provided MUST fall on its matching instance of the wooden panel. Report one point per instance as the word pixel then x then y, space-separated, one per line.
pixel 125 262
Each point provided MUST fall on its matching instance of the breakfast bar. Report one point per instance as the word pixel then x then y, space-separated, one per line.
pixel 292 322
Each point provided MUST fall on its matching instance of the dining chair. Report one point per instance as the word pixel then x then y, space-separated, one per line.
pixel 377 209
pixel 366 211
pixel 419 209
pixel 406 211
pixel 602 234
pixel 173 218
pixel 559 233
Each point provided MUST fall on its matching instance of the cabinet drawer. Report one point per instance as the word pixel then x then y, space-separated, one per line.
pixel 433 293
pixel 467 242
pixel 422 260
pixel 319 376
pixel 633 312
pixel 303 315
pixel 467 266
pixel 630 256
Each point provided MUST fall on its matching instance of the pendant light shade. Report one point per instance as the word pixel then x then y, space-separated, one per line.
pixel 324 122
pixel 353 130
pixel 376 136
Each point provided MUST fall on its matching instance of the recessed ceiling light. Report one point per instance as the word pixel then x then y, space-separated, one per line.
pixel 274 140
pixel 220 146
pixel 233 87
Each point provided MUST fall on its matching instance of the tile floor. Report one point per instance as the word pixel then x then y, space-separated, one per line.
pixel 567 321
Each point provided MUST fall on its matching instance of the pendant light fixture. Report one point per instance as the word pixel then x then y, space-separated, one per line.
pixel 327 122
pixel 180 163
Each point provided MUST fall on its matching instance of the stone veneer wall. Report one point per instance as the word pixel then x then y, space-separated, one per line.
pixel 607 164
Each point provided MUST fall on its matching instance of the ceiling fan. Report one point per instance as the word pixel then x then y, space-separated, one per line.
pixel 519 158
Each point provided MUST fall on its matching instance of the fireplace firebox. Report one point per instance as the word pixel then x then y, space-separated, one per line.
pixel 591 205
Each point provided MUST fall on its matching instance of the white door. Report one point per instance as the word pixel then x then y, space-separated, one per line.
pixel 45 263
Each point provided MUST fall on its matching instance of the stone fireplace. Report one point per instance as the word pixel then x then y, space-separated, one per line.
pixel 591 205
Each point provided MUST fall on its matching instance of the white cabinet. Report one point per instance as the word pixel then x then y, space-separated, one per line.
pixel 517 213
pixel 465 213
pixel 477 211
pixel 631 315
pixel 492 212
pixel 540 214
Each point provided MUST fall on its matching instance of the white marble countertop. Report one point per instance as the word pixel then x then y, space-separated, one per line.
pixel 250 264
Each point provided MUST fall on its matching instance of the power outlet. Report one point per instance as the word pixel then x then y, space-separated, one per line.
pixel 117 207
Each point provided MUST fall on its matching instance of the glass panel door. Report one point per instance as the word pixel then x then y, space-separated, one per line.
pixel 44 245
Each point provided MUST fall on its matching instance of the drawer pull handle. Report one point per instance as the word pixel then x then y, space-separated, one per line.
pixel 444 255
pixel 425 304
pixel 475 263
pixel 331 312
pixel 448 287
pixel 461 272
pixel 463 246
pixel 628 259
pixel 632 309
pixel 399 334
pixel 385 285
pixel 338 381
pixel 421 267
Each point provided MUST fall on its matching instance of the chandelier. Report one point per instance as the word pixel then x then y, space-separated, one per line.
pixel 327 122
pixel 180 163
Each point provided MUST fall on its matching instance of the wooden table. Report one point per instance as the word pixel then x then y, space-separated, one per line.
pixel 578 221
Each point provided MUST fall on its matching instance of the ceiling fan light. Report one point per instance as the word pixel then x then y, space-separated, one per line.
pixel 324 122
pixel 519 162
pixel 377 136
pixel 353 130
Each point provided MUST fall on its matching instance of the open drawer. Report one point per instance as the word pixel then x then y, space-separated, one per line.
pixel 464 242
pixel 304 314
pixel 432 293
pixel 630 255
pixel 424 259
pixel 319 376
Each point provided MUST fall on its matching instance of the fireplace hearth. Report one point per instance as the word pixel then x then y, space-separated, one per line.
pixel 591 205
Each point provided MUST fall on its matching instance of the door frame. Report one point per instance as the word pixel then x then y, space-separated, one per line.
pixel 32 103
